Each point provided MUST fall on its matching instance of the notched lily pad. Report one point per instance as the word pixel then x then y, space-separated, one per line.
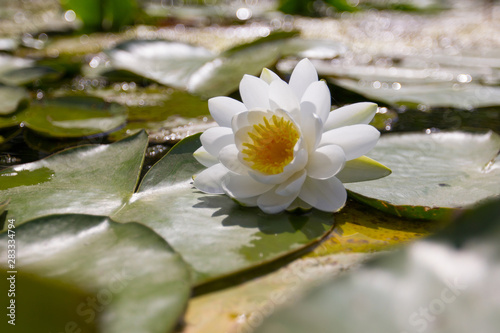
pixel 92 179
pixel 225 238
pixel 96 274
pixel 432 174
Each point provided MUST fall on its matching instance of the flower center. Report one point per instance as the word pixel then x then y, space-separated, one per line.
pixel 272 145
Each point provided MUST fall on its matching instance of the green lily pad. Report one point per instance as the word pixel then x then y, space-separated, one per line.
pixel 71 117
pixel 442 284
pixel 12 99
pixel 27 75
pixel 151 107
pixel 93 179
pixel 202 72
pixel 359 231
pixel 432 174
pixel 169 63
pixel 213 234
pixel 222 75
pixel 458 95
pixel 98 274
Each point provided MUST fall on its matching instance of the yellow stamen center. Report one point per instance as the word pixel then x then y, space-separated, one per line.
pixel 271 146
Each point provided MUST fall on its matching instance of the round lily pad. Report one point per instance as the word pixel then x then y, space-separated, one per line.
pixel 432 174
pixel 98 275
pixel 72 117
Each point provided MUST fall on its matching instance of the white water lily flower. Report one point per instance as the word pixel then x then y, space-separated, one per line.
pixel 282 148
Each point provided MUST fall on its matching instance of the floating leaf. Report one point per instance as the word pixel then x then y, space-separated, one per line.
pixel 11 99
pixel 29 74
pixel 359 230
pixel 312 49
pixel 169 63
pixel 72 117
pixel 432 174
pixel 151 107
pixel 459 95
pixel 223 75
pixel 95 180
pixel 439 285
pixel 88 273
pixel 202 72
pixel 224 237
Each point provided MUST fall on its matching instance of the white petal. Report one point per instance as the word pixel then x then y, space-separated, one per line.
pixel 272 203
pixel 205 159
pixel 302 76
pixel 282 97
pixel 328 195
pixel 248 118
pixel 210 180
pixel 241 187
pixel 355 140
pixel 228 156
pixel 224 108
pixel 269 76
pixel 319 95
pixel 325 162
pixel 292 185
pixel 298 163
pixel 311 126
pixel 216 138
pixel 254 92
pixel 358 113
pixel 361 169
